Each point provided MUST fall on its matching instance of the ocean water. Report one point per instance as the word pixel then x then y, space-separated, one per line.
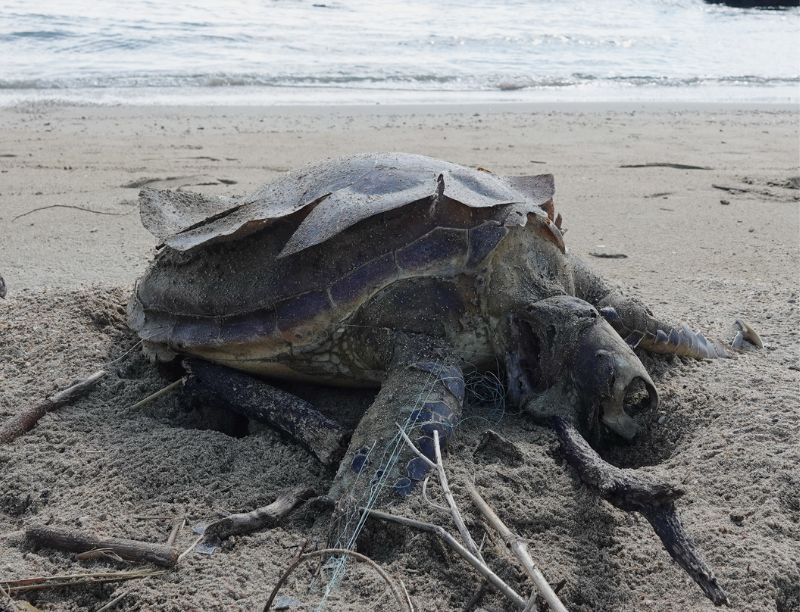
pixel 376 51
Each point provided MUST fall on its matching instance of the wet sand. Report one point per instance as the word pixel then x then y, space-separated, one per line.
pixel 728 432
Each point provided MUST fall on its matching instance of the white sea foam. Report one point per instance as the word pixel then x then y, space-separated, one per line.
pixel 351 51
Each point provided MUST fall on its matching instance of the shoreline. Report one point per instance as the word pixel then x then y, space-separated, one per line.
pixel 443 107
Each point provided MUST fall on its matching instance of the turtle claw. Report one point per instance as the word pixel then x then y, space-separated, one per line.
pixel 746 337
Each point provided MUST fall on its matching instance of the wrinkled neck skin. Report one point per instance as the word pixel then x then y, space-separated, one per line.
pixel 561 357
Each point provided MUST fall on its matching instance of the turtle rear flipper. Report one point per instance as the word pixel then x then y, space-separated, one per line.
pixel 211 384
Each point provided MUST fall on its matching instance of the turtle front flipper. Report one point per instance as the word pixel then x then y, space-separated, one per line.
pixel 423 392
pixel 640 329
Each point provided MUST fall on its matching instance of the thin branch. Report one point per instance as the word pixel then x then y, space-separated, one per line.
pixel 666 165
pixel 630 491
pixel 477 564
pixel 113 602
pixel 268 516
pixel 89 210
pixel 451 502
pixel 157 394
pixel 177 525
pixel 182 556
pixel 408 597
pixel 428 499
pixel 519 548
pixel 67 580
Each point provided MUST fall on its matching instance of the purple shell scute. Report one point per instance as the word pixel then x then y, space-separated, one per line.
pixel 417 469
pixel 359 463
pixel 244 328
pixel 450 376
pixel 426 447
pixel 195 332
pixel 403 487
pixel 483 240
pixel 444 429
pixel 370 275
pixel 436 247
pixel 360 460
pixel 300 309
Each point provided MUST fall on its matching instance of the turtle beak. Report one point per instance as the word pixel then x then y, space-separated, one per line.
pixel 612 383
pixel 568 361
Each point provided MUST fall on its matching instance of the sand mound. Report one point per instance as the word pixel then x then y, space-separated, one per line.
pixel 728 432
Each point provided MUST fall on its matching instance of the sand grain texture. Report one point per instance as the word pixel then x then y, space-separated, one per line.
pixel 728 431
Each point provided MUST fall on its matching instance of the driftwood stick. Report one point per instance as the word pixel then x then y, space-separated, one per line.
pixel 631 492
pixel 519 548
pixel 442 533
pixel 257 400
pixel 77 541
pixel 396 592
pixel 666 165
pixel 27 419
pixel 260 518
pixel 67 580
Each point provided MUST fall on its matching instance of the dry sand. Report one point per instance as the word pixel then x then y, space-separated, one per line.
pixel 727 431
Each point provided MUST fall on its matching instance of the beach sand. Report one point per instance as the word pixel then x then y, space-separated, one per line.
pixel 728 432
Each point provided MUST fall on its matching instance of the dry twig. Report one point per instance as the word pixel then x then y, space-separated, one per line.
pixel 177 525
pixel 68 580
pixel 519 548
pixel 113 602
pixel 159 393
pixel 296 560
pixel 397 593
pixel 27 419
pixel 89 210
pixel 474 561
pixel 189 549
pixel 438 465
pixel 451 502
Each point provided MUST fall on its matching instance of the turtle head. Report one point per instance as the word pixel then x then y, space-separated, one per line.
pixel 565 360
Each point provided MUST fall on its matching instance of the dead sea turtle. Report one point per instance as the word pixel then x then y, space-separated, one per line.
pixel 397 270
